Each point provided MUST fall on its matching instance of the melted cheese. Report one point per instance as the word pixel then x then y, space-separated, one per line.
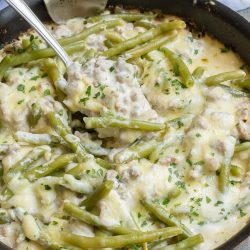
pixel 147 89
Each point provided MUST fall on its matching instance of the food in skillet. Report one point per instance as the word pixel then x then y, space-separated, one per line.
pixel 144 142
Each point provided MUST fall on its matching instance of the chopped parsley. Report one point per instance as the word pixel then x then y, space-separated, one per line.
pixel 242 213
pixel 60 112
pixel 218 203
pixel 224 50
pixel 46 92
pixel 165 201
pixel 111 69
pixel 180 184
pixel 190 38
pixel 200 223
pixel 135 247
pixel 144 223
pixel 33 88
pixel 20 101
pixel 189 61
pixel 157 84
pixel 84 100
pixel 198 135
pixel 47 187
pixel 34 78
pixel 189 162
pixel 88 91
pixel 21 88
pixel 97 94
pixel 199 163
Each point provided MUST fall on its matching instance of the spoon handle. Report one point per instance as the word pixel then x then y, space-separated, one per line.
pixel 23 9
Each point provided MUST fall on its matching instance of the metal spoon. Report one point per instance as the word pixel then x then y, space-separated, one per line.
pixel 61 10
pixel 22 8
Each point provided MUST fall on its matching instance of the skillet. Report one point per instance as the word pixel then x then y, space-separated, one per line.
pixel 216 19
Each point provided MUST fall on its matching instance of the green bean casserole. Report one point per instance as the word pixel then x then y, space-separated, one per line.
pixel 143 142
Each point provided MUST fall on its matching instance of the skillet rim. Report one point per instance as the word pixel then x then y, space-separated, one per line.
pixel 219 10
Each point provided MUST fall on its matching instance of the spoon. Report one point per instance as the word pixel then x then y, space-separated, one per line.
pixel 23 9
pixel 61 10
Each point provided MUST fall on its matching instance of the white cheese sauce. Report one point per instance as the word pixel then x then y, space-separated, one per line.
pixel 146 89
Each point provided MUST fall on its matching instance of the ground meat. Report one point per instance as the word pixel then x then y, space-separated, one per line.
pixel 219 146
pixel 132 172
pixel 200 122
pixel 195 173
pixel 212 164
pixel 244 121
pixel 167 160
pixel 112 175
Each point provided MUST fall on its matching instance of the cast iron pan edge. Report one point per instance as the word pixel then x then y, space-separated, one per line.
pixel 218 20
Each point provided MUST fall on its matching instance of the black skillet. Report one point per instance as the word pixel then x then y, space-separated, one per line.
pixel 218 20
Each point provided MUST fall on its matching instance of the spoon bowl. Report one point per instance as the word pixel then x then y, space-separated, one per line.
pixel 62 10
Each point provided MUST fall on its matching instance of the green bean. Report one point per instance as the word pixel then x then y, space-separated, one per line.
pixel 41 236
pixel 234 92
pixel 25 43
pixel 36 139
pixel 198 72
pixel 150 46
pixel 50 67
pixel 103 163
pixel 174 193
pixel 156 154
pixel 72 141
pixel 114 37
pixel 50 167
pixel 6 194
pixel 30 44
pixel 222 77
pixel 144 37
pixel 120 240
pixel 108 44
pixel 10 61
pixel 223 177
pixel 161 213
pixel 136 151
pixel 236 171
pixel 181 121
pixel 4 217
pixel 144 24
pixel 129 17
pixel 100 193
pixel 242 83
pixel 35 114
pixel 22 165
pixel 188 243
pixel 242 147
pixel 78 170
pixel 109 122
pixel 91 30
pixel 180 68
pixel 48 243
pixel 93 220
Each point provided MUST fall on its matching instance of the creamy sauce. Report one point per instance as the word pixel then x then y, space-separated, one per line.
pixel 145 89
